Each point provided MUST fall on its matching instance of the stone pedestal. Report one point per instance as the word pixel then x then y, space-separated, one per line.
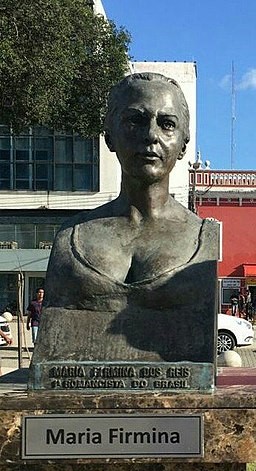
pixel 229 427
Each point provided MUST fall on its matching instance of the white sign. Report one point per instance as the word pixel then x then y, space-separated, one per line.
pixel 231 283
pixel 112 436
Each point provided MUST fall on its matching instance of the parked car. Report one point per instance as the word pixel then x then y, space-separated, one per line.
pixel 233 332
pixel 5 327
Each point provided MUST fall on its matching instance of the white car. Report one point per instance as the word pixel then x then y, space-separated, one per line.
pixel 233 332
pixel 5 327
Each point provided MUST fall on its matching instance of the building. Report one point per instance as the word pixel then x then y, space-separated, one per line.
pixel 229 197
pixel 47 176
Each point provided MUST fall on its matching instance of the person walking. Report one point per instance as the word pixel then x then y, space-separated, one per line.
pixel 34 313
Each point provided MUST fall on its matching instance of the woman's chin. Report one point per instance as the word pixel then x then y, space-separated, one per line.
pixel 152 174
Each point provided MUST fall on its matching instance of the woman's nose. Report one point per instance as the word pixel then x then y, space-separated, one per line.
pixel 151 134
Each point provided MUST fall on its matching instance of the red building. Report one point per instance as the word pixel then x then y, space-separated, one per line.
pixel 230 198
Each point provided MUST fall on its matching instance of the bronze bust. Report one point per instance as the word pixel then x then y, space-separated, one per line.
pixel 135 279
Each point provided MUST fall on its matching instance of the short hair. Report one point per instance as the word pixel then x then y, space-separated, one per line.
pixel 117 90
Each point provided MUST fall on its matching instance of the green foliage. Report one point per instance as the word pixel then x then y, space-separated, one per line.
pixel 251 467
pixel 57 63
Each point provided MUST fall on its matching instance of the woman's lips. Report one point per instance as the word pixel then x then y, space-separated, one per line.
pixel 148 156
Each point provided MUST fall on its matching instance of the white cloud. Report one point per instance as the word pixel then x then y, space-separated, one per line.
pixel 247 81
pixel 225 82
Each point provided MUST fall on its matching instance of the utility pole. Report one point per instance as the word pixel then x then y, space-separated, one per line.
pixel 20 317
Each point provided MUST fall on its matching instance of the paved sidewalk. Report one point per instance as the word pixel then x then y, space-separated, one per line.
pixel 248 354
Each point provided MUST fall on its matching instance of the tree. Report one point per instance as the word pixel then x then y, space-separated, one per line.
pixel 57 63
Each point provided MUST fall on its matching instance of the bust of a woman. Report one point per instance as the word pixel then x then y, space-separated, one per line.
pixel 141 267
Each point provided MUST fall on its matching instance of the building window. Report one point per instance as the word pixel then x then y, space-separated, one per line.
pixel 230 286
pixel 27 236
pixel 227 293
pixel 40 159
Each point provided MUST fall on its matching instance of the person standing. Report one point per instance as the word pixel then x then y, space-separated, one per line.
pixel 9 342
pixel 248 301
pixel 34 313
pixel 234 300
pixel 241 304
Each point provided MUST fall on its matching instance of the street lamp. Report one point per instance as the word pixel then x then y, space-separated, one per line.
pixel 195 166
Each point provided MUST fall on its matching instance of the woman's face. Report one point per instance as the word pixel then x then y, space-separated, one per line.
pixel 148 130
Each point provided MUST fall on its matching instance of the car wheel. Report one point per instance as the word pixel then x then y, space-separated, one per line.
pixel 225 342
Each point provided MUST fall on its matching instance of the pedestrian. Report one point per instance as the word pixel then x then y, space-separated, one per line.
pixel 248 305
pixel 241 304
pixel 234 300
pixel 34 313
pixel 9 342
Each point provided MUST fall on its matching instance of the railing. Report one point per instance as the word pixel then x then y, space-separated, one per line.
pixel 45 245
pixel 222 178
pixel 8 244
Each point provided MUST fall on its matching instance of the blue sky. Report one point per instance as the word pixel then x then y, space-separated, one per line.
pixel 213 33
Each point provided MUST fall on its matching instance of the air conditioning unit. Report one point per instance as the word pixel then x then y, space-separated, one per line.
pixel 45 245
pixel 4 244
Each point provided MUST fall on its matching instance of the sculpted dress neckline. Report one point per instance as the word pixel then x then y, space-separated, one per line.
pixel 81 258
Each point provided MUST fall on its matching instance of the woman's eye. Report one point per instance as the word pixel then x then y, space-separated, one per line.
pixel 134 120
pixel 167 124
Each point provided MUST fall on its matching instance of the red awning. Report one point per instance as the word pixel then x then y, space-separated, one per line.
pixel 249 270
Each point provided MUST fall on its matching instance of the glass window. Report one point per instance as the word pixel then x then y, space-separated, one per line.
pixel 5 143
pixel 5 171
pixel 83 177
pixel 22 171
pixel 227 293
pixel 25 236
pixel 4 154
pixel 22 143
pixel 42 155
pixel 22 185
pixel 63 177
pixel 83 150
pixel 42 172
pixel 39 159
pixel 22 155
pixel 63 149
pixel 7 232
pixel 43 149
pixel 45 233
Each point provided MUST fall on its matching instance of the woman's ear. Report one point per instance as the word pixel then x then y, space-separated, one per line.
pixel 183 151
pixel 109 142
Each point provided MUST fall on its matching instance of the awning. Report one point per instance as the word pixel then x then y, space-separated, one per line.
pixel 249 270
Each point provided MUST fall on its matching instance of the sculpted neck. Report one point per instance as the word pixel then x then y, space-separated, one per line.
pixel 144 200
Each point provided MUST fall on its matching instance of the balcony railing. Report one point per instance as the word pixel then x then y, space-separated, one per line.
pixel 222 178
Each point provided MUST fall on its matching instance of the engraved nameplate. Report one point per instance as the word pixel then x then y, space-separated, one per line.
pixel 112 436
pixel 124 376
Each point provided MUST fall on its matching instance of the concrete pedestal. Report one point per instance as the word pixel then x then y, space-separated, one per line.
pixel 229 427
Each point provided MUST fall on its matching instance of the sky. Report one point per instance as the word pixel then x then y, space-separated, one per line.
pixel 215 34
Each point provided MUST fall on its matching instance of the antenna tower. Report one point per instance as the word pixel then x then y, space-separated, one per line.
pixel 233 117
